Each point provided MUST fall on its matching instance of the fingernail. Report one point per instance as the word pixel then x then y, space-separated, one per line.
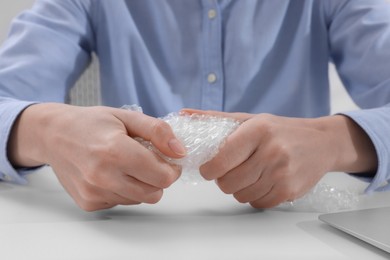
pixel 177 147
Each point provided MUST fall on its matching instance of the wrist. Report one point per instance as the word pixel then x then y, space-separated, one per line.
pixel 27 141
pixel 349 147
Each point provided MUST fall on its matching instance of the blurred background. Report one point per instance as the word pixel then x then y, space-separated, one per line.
pixel 86 91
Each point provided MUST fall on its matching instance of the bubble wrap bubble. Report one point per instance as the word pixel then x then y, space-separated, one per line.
pixel 323 198
pixel 201 135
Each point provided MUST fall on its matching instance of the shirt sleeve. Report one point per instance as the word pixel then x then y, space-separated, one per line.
pixel 359 42
pixel 47 49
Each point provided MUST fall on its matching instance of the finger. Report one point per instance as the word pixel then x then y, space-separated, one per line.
pixel 238 147
pixel 241 177
pixel 255 191
pixel 111 198
pixel 126 156
pixel 133 189
pixel 102 199
pixel 272 199
pixel 116 199
pixel 91 197
pixel 125 185
pixel 237 116
pixel 146 166
pixel 155 130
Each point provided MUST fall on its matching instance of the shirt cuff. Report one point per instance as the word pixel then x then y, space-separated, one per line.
pixel 9 111
pixel 375 122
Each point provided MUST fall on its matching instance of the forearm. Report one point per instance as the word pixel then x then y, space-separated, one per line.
pixel 350 146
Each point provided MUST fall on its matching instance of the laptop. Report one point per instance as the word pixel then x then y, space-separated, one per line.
pixel 369 225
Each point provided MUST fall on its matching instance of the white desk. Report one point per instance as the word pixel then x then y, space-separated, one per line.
pixel 40 221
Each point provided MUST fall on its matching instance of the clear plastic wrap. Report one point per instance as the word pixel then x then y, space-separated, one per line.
pixel 323 198
pixel 201 135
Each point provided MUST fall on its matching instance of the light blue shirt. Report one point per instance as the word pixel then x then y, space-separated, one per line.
pixel 251 56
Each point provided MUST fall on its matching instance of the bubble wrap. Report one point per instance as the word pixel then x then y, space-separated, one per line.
pixel 201 135
pixel 323 198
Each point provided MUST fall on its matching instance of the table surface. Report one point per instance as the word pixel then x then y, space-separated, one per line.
pixel 40 221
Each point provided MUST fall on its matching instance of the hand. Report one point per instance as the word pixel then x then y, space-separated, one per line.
pixel 93 154
pixel 271 159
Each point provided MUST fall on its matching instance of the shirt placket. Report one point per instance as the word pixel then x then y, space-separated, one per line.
pixel 212 78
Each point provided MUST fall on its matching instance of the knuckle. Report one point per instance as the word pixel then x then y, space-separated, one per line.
pixel 139 157
pixel 160 128
pixel 145 194
pixel 265 205
pixel 205 172
pixel 260 205
pixel 223 168
pixel 102 159
pixel 256 205
pixel 283 153
pixel 96 176
pixel 154 198
pixel 284 194
pixel 277 176
pixel 206 175
pixel 281 175
pixel 166 181
pixel 240 198
pixel 216 168
pixel 226 187
pixel 168 178
pixel 264 125
pixel 91 170
pixel 87 193
pixel 91 176
pixel 105 152
pixel 266 117
pixel 88 206
pixel 289 192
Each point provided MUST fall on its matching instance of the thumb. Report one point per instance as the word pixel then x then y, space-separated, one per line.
pixel 155 130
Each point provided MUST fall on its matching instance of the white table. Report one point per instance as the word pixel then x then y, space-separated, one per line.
pixel 40 221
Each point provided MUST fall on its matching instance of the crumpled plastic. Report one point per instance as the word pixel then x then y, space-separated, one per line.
pixel 201 135
pixel 323 198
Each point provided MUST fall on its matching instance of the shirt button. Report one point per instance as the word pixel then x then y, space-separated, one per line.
pixel 212 13
pixel 211 78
